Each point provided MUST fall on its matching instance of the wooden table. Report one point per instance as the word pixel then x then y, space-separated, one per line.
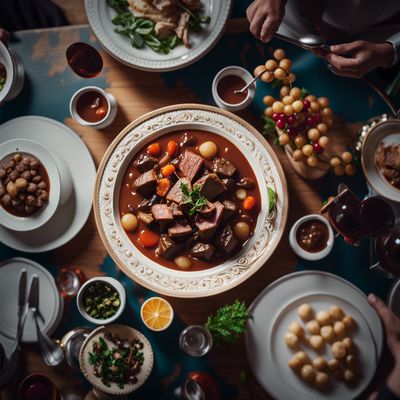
pixel 138 92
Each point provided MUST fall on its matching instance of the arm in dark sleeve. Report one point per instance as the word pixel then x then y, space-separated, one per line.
pixel 386 394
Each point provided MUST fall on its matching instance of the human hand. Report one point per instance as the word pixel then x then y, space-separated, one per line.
pixel 357 58
pixel 265 17
pixel 392 327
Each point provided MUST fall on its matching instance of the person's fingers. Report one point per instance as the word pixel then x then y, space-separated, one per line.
pixel 342 63
pixel 382 309
pixel 257 23
pixel 373 396
pixel 251 9
pixel 346 48
pixel 268 28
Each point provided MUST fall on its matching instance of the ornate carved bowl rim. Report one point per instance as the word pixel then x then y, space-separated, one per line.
pixel 231 273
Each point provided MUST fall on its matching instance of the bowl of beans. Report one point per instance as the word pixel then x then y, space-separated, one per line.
pixel 29 185
pixel 101 300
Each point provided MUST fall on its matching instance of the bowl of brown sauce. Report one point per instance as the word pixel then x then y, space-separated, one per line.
pixel 229 80
pixel 311 237
pixel 93 106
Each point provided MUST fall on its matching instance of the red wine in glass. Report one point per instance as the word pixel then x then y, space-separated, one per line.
pixel 377 215
pixel 84 60
pixel 387 248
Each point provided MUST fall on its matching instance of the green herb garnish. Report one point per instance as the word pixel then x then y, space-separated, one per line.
pixel 193 198
pixel 269 126
pixel 271 200
pixel 304 93
pixel 228 322
pixel 101 301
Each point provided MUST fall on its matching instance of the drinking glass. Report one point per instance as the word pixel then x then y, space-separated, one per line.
pixel 69 281
pixel 84 60
pixel 386 254
pixel 195 340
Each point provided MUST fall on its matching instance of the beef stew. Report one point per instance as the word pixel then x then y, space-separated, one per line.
pixel 189 200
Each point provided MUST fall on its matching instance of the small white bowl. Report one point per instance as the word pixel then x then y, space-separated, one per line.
pixel 109 117
pixel 111 282
pixel 39 218
pixel 241 73
pixel 307 255
pixel 15 73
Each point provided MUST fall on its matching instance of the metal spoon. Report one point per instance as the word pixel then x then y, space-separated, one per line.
pixel 52 352
pixel 249 84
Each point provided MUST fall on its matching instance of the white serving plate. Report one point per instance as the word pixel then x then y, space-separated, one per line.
pixel 232 272
pixel 124 332
pixel 51 304
pixel 100 15
pixel 276 307
pixel 72 156
pixel 387 132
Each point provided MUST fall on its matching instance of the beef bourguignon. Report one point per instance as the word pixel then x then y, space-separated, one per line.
pixel 189 200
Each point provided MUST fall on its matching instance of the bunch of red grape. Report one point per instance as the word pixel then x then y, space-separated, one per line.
pixel 301 120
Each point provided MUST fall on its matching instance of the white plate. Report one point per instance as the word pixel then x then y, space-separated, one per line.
pixel 69 150
pixel 257 250
pixel 100 16
pixel 276 307
pixel 387 132
pixel 394 298
pixel 51 304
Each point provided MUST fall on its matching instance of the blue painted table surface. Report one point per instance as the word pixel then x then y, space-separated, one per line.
pixel 47 91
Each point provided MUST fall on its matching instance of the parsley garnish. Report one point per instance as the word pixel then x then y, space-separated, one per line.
pixel 228 322
pixel 304 93
pixel 193 198
pixel 271 200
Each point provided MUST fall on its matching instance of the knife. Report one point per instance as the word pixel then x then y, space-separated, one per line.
pixel 21 303
pixel 34 294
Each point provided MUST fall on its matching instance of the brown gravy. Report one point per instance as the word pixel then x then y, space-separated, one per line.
pixel 129 198
pixel 92 106
pixel 226 89
pixel 312 236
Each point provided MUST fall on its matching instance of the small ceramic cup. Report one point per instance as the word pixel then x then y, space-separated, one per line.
pixel 241 73
pixel 108 281
pixel 307 255
pixel 15 73
pixel 109 117
pixel 40 385
pixel 40 217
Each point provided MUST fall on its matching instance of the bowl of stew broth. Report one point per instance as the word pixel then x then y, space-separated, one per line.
pixel 112 191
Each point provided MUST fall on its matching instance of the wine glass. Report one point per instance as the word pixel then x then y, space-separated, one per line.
pixel 84 60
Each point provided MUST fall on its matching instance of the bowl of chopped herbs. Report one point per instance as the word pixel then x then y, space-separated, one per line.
pixel 101 300
pixel 116 359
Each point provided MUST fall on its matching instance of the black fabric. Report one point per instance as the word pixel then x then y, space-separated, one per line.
pixel 386 394
pixel 30 14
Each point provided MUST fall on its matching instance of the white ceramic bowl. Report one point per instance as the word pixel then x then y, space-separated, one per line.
pixel 111 282
pixel 241 73
pixel 39 218
pixel 258 248
pixel 307 255
pixel 109 117
pixel 15 73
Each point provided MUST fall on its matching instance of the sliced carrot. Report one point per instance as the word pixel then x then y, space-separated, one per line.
pixel 168 170
pixel 172 147
pixel 163 186
pixel 249 202
pixel 148 238
pixel 154 149
pixel 101 112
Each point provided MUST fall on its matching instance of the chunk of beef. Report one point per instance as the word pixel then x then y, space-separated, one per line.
pixel 230 209
pixel 208 209
pixel 203 251
pixel 210 186
pixel 176 211
pixel 146 183
pixel 175 193
pixel 145 162
pixel 146 218
pixel 208 226
pixel 191 164
pixel 222 166
pixel 246 183
pixel 167 248
pixel 229 183
pixel 162 213
pixel 187 140
pixel 145 205
pixel 180 229
pixel 226 240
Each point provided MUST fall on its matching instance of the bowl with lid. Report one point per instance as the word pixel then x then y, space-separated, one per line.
pixel 30 185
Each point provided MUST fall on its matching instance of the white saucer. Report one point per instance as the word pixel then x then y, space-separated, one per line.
pixel 67 147
pixel 51 304
pixel 276 307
